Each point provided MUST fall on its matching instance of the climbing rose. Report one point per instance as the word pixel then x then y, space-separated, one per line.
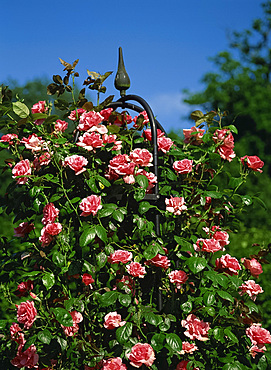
pixel 224 137
pixel 164 143
pixel 89 120
pixel 20 169
pixel 53 229
pixel 222 237
pixel 9 138
pixel 16 333
pixel 183 365
pixel 207 245
pixel 39 107
pixel 106 113
pixel 179 277
pixel 45 238
pixel 87 279
pixel 73 115
pixel 24 288
pixel 253 265
pixel 71 330
pixel 184 166
pixel 23 229
pixel 33 142
pixel 29 358
pixel 141 354
pixel 146 119
pixel 148 135
pixel 121 165
pixel 141 157
pixel 43 160
pixel 160 261
pixel 251 288
pixel 188 348
pixel 136 269
pixel 228 264
pixel 50 213
pixel 193 135
pixel 120 256
pixel 107 139
pixel 114 364
pixel 258 335
pixel 113 320
pixel 90 141
pixel 226 153
pixel 90 205
pixel 175 205
pixel 61 126
pixel 76 163
pixel 253 162
pixel 195 328
pixel 26 314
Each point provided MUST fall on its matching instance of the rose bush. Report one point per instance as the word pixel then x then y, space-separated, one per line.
pixel 101 272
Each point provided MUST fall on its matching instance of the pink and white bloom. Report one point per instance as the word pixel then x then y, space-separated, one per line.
pixel 258 335
pixel 120 256
pixel 222 237
pixel 121 165
pixel 61 126
pixel 45 238
pixel 33 142
pixel 20 169
pixel 164 144
pixel 188 348
pixel 23 229
pixel 160 261
pixel 178 277
pixel 107 139
pixel 253 162
pixel 43 160
pixel 39 107
pixel 207 245
pixel 251 288
pixel 146 118
pixel 141 157
pixel 27 359
pixel 227 264
pixel 113 320
pixel 226 153
pixel 71 330
pixel 106 113
pixel 193 135
pixel 76 114
pixel 224 137
pixel 16 333
pixel 26 314
pixel 90 141
pixel 253 266
pixel 136 269
pixel 148 135
pixel 175 205
pixel 54 228
pixel 141 354
pixel 195 328
pixel 89 120
pixel 90 205
pixel 9 138
pixel 76 163
pixel 87 279
pixel 184 166
pixel 113 364
pixel 50 213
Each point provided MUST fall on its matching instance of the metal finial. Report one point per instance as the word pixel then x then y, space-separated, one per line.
pixel 122 80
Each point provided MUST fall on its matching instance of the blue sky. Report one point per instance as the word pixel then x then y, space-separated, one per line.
pixel 166 44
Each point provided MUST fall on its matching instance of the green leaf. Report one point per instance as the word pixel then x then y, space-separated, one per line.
pixel 233 366
pixel 152 319
pixel 218 334
pixel 174 342
pixel 213 194
pixel 142 181
pixel 225 295
pixel 45 336
pixel 196 264
pixel 235 182
pixel 165 325
pixel 101 232
pixel 101 259
pixel 139 194
pixel 209 298
pixel 87 236
pixel 63 316
pixel 107 210
pixel 186 307
pixel 118 215
pixel 252 306
pixel 233 129
pixel 20 109
pixel 124 333
pixel 230 335
pixel 109 298
pixel 144 207
pixel 151 251
pixel 124 299
pixel 58 259
pixel 157 341
pixel 48 280
pixel 75 200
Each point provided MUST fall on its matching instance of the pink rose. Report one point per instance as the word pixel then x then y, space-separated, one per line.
pixel 90 205
pixel 87 279
pixel 258 335
pixel 45 238
pixel 113 320
pixel 39 107
pixel 226 153
pixel 9 138
pixel 183 365
pixel 120 165
pixel 43 160
pixel 23 229
pixel 160 261
pixel 188 348
pixel 136 269
pixel 114 364
pixel 71 330
pixel 89 120
pixel 33 142
pixel 224 137
pixel 175 205
pixel 123 119
pixel 207 245
pixel 50 213
pixel 106 113
pixel 222 237
pixel 257 349
pixel 141 157
pixel 178 277
pixel 193 135
pixel 29 358
pixel 147 134
pixel 107 139
pixel 164 143
pixel 146 119
pixel 90 141
pixel 150 176
pixel 16 333
pixel 76 163
pixel 195 328
pixel 61 126
pixel 252 162
pixel 184 166
pixel 120 256
pixel 53 229
pixel 24 288
pixel 26 314
pixel 141 354
pixel 20 169
pixel 227 264
pixel 251 288
pixel 76 114
pixel 253 266
pixel 127 283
